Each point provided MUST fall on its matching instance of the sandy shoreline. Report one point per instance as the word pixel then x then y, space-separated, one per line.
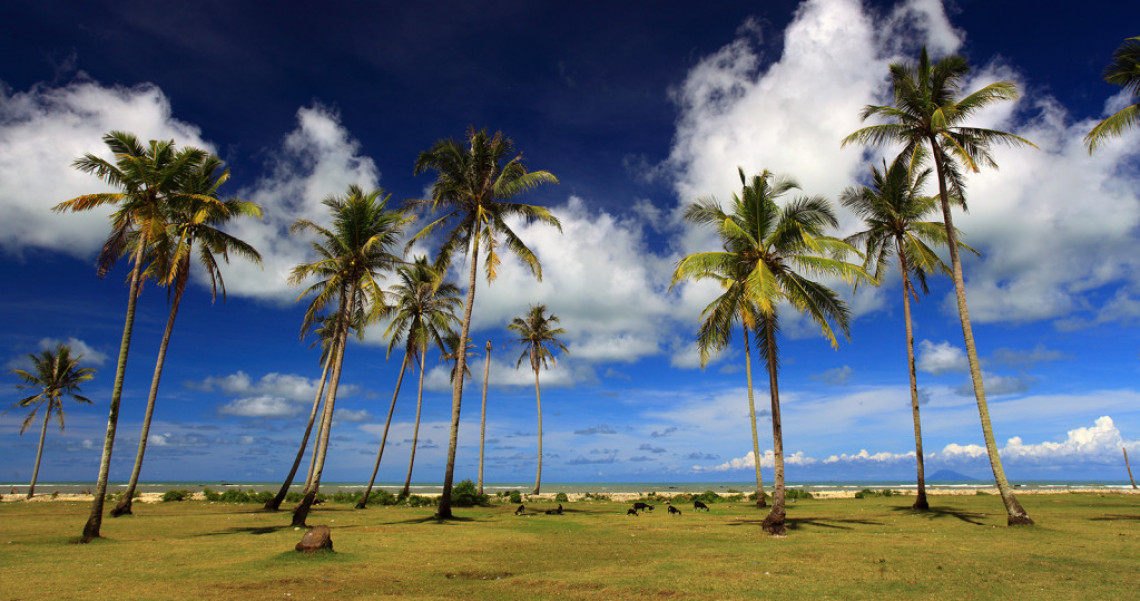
pixel 48 496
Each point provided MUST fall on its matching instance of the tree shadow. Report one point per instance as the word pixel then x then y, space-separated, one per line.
pixel 1116 518
pixel 431 519
pixel 941 512
pixel 798 523
pixel 255 530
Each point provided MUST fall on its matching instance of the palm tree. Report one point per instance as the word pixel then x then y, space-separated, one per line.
pixel 483 414
pixel 1124 71
pixel 352 256
pixel 56 374
pixel 537 336
pixel 769 251
pixel 928 112
pixel 892 208
pixel 146 178
pixel 194 216
pixel 326 338
pixel 422 314
pixel 474 184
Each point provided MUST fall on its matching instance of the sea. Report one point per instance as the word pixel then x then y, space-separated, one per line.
pixel 579 487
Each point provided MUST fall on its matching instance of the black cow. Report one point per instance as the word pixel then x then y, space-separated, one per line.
pixel 674 510
pixel 555 511
pixel 520 510
pixel 699 505
pixel 631 512
pixel 642 507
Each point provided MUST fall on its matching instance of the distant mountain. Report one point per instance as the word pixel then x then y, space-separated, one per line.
pixel 949 476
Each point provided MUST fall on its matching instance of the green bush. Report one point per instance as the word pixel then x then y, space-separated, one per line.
pixel 212 495
pixel 867 493
pixel 594 496
pixel 421 501
pixel 175 495
pixel 797 493
pixel 382 497
pixel 294 497
pixel 561 498
pixel 465 494
pixel 707 497
pixel 234 496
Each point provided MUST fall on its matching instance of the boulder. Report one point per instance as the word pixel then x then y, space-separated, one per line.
pixel 317 539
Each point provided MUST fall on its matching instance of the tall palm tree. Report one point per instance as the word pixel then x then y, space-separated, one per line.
pixel 194 215
pixel 55 375
pixel 1124 71
pixel 892 208
pixel 483 414
pixel 474 185
pixel 929 112
pixel 352 257
pixel 537 337
pixel 769 252
pixel 326 338
pixel 146 178
pixel 422 313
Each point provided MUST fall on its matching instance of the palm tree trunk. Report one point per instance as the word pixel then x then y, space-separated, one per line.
pixel 483 419
pixel 302 510
pixel 760 501
pixel 275 503
pixel 444 510
pixel 124 505
pixel 95 521
pixel 774 523
pixel 1126 465
pixel 538 398
pixel 415 429
pixel 1016 514
pixel 384 439
pixel 43 434
pixel 920 497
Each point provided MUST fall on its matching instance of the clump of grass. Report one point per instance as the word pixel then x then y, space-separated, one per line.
pixel 867 493
pixel 561 498
pixel 594 496
pixel 175 495
pixel 795 494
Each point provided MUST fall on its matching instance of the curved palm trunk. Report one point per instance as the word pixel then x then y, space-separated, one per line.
pixel 1016 514
pixel 40 454
pixel 760 501
pixel 416 429
pixel 444 510
pixel 1126 465
pixel 95 521
pixel 124 505
pixel 384 439
pixel 275 503
pixel 774 523
pixel 302 510
pixel 313 455
pixel 483 419
pixel 538 398
pixel 920 498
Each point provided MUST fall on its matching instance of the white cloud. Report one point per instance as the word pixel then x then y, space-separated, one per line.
pixel 749 462
pixel 834 376
pixel 43 130
pixel 864 456
pixel 78 347
pixel 285 386
pixel 261 406
pixel 941 358
pixel 352 416
pixel 1099 441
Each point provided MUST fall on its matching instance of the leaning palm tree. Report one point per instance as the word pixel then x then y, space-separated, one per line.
pixel 194 215
pixel 538 336
pixel 352 257
pixel 769 252
pixel 483 414
pixel 55 375
pixel 474 184
pixel 893 209
pixel 146 178
pixel 929 111
pixel 1124 71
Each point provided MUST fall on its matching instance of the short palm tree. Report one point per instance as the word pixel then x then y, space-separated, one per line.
pixel 1124 71
pixel 353 256
pixel 893 209
pixel 475 182
pixel 194 215
pixel 146 176
pixel 538 336
pixel 55 375
pixel 769 253
pixel 483 413
pixel 929 111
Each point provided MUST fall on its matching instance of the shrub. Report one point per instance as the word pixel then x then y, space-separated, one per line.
pixel 294 497
pixel 866 493
pixel 707 497
pixel 561 498
pixel 465 494
pixel 797 493
pixel 382 497
pixel 516 496
pixel 593 496
pixel 175 495
pixel 262 497
pixel 234 496
pixel 212 495
pixel 421 501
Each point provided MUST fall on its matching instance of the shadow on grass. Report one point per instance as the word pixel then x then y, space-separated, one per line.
pixel 255 530
pixel 1116 518
pixel 433 519
pixel 941 512
pixel 798 523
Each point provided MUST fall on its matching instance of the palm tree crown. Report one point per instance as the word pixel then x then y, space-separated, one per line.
pixel 538 337
pixel 1124 71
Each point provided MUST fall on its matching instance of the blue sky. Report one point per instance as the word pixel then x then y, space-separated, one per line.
pixel 638 109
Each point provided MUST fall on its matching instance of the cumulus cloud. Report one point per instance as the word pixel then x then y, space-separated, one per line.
pixel 168 439
pixel 835 376
pixel 290 387
pixel 1102 440
pixel 260 406
pixel 353 416
pixel 864 456
pixel 941 358
pixel 91 356
pixel 768 459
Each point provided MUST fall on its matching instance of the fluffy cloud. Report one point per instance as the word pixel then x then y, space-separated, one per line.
pixel 91 357
pixel 749 462
pixel 941 358
pixel 1101 441
pixel 864 456
pixel 290 387
pixel 261 406
pixel 43 130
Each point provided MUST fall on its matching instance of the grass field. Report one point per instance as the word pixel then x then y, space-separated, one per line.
pixel 1084 547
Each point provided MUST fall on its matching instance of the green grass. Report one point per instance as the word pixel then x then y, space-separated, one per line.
pixel 1084 547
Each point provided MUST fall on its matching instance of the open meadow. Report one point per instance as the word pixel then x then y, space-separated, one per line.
pixel 1085 546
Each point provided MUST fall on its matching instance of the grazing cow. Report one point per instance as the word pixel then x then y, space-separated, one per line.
pixel 520 510
pixel 699 505
pixel 642 507
pixel 674 510
pixel 555 511
pixel 631 511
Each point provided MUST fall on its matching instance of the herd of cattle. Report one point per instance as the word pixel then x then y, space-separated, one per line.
pixel 637 507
